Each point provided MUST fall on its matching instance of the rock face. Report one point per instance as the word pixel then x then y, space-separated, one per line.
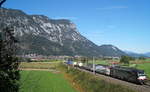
pixel 40 35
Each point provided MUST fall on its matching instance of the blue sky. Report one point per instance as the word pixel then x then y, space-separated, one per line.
pixel 123 23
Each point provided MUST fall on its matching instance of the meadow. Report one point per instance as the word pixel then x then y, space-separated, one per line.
pixel 38 65
pixel 145 67
pixel 100 61
pixel 44 81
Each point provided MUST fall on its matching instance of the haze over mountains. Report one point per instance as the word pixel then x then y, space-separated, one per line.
pixel 133 54
pixel 147 54
pixel 43 36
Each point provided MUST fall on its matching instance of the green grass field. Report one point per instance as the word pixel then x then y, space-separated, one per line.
pixel 38 65
pixel 147 59
pixel 145 67
pixel 44 81
pixel 104 62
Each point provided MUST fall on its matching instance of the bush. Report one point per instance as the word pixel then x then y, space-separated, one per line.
pixel 126 59
pixel 142 58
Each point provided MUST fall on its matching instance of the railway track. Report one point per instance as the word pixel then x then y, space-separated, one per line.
pixel 147 84
pixel 137 88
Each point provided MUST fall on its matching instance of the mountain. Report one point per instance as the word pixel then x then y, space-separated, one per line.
pixel 110 50
pixel 37 34
pixel 147 54
pixel 40 35
pixel 133 54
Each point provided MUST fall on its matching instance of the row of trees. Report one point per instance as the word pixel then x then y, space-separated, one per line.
pixel 123 59
pixel 127 59
pixel 9 73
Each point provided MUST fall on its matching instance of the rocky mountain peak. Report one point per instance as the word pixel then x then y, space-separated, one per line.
pixel 111 50
pixel 41 35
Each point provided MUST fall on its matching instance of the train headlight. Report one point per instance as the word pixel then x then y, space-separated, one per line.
pixel 142 77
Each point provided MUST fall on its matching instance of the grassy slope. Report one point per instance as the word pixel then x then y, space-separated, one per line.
pixel 43 81
pixel 90 83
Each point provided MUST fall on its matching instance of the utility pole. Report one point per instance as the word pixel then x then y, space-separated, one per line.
pixel 93 66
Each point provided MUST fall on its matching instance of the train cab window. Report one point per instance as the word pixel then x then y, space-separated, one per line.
pixel 141 73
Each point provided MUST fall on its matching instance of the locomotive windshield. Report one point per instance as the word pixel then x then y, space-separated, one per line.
pixel 141 73
pixel 141 76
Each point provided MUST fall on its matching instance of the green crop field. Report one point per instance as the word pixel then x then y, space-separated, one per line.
pixel 148 59
pixel 44 81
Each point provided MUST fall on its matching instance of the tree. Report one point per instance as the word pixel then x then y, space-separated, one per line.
pixel 1 2
pixel 142 58
pixel 9 73
pixel 125 59
pixel 84 59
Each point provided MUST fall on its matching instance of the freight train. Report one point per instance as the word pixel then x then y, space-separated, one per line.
pixel 124 73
